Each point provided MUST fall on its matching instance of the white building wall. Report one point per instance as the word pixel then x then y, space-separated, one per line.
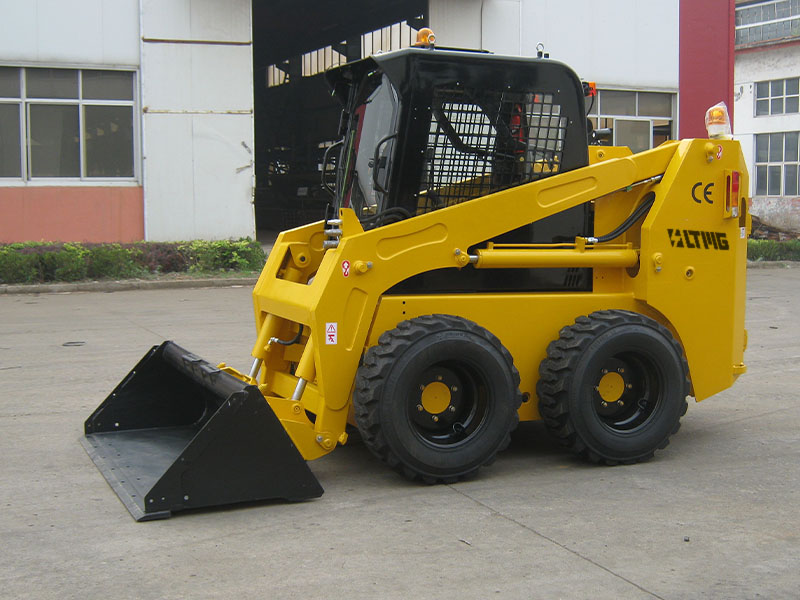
pixel 76 33
pixel 196 96
pixel 750 67
pixel 585 34
pixel 197 103
pixel 457 23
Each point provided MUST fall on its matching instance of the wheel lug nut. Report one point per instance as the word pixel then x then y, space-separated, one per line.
pixel 438 378
pixel 454 389
pixel 452 408
pixel 604 371
pixel 604 404
pixel 422 388
pixel 630 386
pixel 435 419
pixel 419 407
pixel 621 403
pixel 620 370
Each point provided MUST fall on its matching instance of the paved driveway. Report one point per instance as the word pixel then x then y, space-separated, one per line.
pixel 715 515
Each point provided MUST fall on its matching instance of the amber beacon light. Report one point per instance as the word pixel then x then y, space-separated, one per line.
pixel 718 123
pixel 425 37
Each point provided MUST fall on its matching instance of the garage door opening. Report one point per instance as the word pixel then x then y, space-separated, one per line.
pixel 296 118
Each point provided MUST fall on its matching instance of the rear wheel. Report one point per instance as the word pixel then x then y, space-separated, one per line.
pixel 613 387
pixel 436 398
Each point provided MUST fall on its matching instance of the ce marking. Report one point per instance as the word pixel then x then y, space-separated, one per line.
pixel 706 192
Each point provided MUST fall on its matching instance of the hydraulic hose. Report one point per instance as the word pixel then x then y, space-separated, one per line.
pixel 393 214
pixel 637 214
pixel 290 342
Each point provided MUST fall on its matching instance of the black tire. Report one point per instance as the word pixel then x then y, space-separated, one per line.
pixel 613 387
pixel 437 398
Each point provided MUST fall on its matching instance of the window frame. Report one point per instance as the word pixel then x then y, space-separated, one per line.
pixel 24 102
pixel 751 22
pixel 770 98
pixel 634 119
pixel 600 118
pixel 21 122
pixel 769 164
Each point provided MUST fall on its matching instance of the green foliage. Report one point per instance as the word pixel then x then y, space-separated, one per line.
pixel 163 257
pixel 240 255
pixel 773 250
pixel 38 261
pixel 34 262
pixel 67 263
pixel 17 266
pixel 114 261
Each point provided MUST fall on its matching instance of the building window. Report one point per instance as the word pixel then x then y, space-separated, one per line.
pixel 66 123
pixel 777 164
pixel 767 22
pixel 392 37
pixel 777 97
pixel 639 120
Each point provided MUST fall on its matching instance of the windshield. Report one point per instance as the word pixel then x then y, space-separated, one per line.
pixel 368 146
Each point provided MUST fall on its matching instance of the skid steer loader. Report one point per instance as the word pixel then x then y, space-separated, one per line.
pixel 483 265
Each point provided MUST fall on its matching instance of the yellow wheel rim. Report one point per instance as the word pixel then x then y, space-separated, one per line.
pixel 611 387
pixel 435 397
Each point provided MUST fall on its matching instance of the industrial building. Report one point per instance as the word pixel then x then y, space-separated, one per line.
pixel 766 97
pixel 123 120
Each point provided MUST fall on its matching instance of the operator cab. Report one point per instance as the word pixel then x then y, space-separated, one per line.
pixel 423 129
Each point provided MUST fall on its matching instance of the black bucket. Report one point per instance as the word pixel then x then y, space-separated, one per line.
pixel 179 433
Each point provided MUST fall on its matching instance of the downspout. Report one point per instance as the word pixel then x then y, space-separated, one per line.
pixel 480 33
pixel 142 146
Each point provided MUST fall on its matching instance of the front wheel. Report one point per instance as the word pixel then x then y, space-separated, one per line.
pixel 613 386
pixel 437 398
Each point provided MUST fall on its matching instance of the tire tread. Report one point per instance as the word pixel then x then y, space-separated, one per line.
pixel 563 355
pixel 375 369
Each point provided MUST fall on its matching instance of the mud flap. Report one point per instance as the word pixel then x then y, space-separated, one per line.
pixel 178 433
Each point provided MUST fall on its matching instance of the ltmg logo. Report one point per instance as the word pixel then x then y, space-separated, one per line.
pixel 704 240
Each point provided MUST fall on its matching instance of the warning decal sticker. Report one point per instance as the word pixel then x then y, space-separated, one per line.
pixel 331 334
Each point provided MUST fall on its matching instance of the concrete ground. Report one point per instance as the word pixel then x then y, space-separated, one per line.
pixel 714 515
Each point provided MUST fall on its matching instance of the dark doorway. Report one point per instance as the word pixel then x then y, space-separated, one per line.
pixel 296 118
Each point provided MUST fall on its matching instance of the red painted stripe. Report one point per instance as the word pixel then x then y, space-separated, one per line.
pixel 71 214
pixel 705 62
pixel 765 46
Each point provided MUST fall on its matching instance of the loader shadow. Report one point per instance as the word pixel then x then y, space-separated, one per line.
pixel 532 437
pixel 237 507
pixel 353 467
pixel 533 448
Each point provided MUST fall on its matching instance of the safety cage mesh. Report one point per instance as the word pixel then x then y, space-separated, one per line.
pixel 482 141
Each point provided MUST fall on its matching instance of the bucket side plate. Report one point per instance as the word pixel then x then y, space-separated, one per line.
pixel 237 450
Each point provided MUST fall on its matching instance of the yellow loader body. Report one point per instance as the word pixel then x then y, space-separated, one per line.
pixel 685 268
pixel 483 265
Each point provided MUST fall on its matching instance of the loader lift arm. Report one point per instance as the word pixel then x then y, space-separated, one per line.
pixel 381 258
